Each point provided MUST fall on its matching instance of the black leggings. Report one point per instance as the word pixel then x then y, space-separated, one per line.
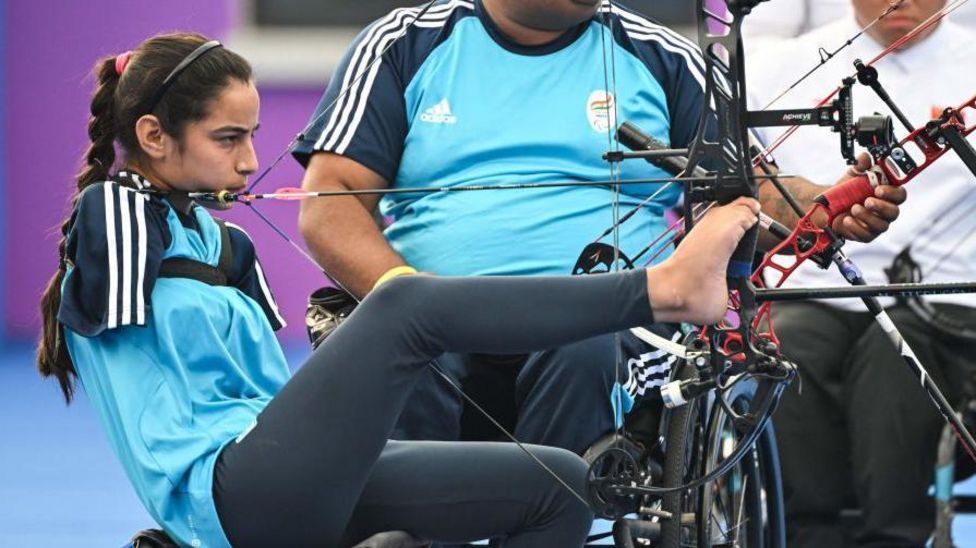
pixel 317 470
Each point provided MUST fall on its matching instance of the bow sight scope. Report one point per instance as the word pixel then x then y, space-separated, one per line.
pixel 876 133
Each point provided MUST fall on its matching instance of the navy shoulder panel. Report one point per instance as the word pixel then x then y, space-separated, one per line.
pixel 115 245
pixel 362 113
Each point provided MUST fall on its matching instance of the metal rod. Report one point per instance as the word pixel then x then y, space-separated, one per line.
pixel 868 76
pixel 957 141
pixel 861 291
pixel 618 155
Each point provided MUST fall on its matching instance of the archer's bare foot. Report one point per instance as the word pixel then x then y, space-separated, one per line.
pixel 690 285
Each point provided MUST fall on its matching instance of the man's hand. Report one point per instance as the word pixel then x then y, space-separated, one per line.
pixel 867 222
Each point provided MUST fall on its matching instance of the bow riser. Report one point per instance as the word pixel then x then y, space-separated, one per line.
pixel 808 240
pixel 720 40
pixel 897 165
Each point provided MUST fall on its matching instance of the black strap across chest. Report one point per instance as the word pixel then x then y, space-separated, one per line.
pixel 180 267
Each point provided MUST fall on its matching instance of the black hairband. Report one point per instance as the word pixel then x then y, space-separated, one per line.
pixel 186 62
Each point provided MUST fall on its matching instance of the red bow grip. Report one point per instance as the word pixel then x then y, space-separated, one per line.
pixel 840 198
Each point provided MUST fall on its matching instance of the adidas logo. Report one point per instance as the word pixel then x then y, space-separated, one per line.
pixel 439 114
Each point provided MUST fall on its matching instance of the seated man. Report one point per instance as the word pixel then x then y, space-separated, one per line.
pixel 863 432
pixel 492 92
pixel 773 22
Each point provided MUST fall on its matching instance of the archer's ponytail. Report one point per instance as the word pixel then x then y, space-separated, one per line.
pixel 125 86
pixel 52 356
pixel 101 126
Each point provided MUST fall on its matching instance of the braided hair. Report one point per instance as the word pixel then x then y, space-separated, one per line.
pixel 127 89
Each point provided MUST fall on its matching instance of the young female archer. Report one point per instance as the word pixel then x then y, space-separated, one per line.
pixel 164 315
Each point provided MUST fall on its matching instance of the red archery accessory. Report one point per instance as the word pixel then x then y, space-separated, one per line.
pixel 840 198
pixel 898 165
pixel 806 241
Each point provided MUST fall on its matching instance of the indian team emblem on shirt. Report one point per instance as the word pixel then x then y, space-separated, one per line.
pixel 600 110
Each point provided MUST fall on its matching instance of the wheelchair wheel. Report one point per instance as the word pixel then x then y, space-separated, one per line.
pixel 682 461
pixel 743 508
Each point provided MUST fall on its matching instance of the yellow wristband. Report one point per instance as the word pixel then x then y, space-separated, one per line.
pixel 401 270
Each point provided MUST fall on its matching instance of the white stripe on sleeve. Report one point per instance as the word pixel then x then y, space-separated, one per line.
pixel 125 227
pixel 113 281
pixel 337 117
pixel 142 245
pixel 262 280
pixel 348 110
pixel 267 292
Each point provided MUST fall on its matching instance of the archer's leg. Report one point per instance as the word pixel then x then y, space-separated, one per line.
pixel 295 478
pixel 457 492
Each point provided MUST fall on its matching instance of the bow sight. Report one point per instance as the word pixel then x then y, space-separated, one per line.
pixel 873 132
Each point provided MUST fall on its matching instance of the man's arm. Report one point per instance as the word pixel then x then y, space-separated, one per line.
pixel 862 224
pixel 341 232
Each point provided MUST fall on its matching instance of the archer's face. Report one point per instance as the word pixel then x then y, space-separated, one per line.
pixel 899 23
pixel 552 15
pixel 217 152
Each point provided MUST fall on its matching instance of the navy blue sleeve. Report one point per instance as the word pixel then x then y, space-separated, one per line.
pixel 362 114
pixel 686 100
pixel 248 276
pixel 114 248
pixel 675 62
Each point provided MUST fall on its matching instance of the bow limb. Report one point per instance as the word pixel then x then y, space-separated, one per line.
pixel 727 154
